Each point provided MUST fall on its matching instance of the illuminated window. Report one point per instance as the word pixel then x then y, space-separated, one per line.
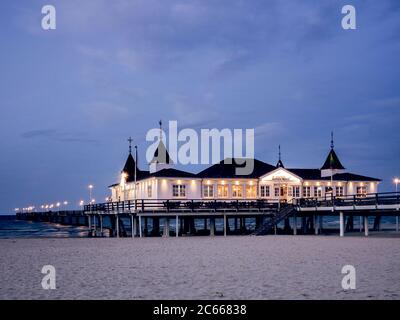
pixel 306 192
pixel 296 191
pixel 251 191
pixel 317 192
pixel 361 191
pixel 179 190
pixel 222 191
pixel 277 192
pixel 264 191
pixel 339 191
pixel 208 191
pixel 237 191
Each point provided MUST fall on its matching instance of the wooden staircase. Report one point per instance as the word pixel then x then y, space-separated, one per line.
pixel 283 213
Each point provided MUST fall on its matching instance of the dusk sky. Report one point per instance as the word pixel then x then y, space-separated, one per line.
pixel 71 97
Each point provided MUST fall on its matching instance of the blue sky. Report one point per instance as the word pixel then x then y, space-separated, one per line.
pixel 70 97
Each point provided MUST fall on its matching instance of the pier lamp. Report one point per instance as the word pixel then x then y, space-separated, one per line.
pixel 90 192
pixel 65 203
pixel 396 181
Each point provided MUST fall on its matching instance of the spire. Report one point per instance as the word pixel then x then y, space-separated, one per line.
pixel 160 123
pixel 130 140
pixel 332 161
pixel 280 163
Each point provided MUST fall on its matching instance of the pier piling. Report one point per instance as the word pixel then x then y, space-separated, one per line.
pixel 341 223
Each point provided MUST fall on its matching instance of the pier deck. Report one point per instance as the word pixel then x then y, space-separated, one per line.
pixel 266 215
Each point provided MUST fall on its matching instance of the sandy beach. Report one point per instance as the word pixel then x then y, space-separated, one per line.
pixel 270 267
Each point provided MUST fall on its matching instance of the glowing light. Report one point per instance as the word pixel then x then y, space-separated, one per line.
pixel 223 182
pixel 90 186
pixel 179 181
pixel 361 184
pixel 81 203
pixel 251 183
pixel 58 204
pixel 237 183
pixel 318 183
pixel 65 203
pixel 396 180
pixel 339 184
pixel 208 182
pixel 307 183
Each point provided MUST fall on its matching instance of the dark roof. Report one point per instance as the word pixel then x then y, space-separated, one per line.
pixel 172 173
pixel 332 161
pixel 307 174
pixel 228 170
pixel 315 174
pixel 129 169
pixel 161 154
pixel 280 164
pixel 351 177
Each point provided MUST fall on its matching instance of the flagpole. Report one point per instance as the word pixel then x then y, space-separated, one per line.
pixel 135 174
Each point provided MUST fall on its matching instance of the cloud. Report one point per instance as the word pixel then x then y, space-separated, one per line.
pixel 56 135
pixel 392 102
pixel 269 130
pixel 195 111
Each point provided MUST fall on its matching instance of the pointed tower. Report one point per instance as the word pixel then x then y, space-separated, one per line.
pixel 161 159
pixel 332 164
pixel 130 165
pixel 279 163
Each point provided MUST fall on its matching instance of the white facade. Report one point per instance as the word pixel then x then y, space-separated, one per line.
pixel 279 184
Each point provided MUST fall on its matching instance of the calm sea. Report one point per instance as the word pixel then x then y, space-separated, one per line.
pixel 12 228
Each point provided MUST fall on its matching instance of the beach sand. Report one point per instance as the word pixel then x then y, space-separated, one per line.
pixel 236 267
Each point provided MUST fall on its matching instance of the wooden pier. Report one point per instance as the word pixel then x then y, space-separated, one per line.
pixel 182 217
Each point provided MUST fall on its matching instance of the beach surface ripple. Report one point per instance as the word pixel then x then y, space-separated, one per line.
pixel 236 267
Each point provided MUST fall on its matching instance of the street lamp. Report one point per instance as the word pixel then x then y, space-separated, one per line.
pixel 90 192
pixel 396 181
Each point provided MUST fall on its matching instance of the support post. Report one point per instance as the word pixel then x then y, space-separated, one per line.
pixel 361 224
pixel 140 226
pixel 135 227
pixel 132 226
pixel 176 226
pixel 212 226
pixel 224 225
pixel 366 225
pixel 166 227
pixel 315 225
pixel 341 223
pixel 117 225
pixel 101 225
pixel 294 224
